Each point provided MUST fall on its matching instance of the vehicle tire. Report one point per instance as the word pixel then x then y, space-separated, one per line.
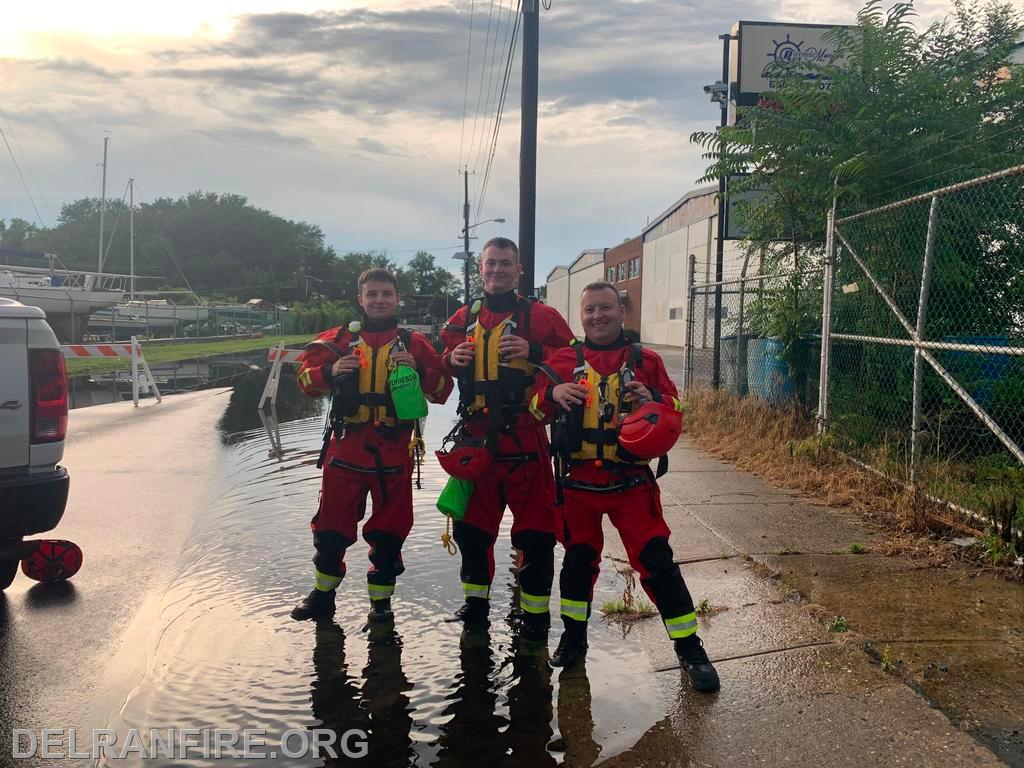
pixel 7 573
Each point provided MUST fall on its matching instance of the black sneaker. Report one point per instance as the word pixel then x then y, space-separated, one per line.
pixel 380 610
pixel 691 655
pixel 316 605
pixel 473 611
pixel 571 647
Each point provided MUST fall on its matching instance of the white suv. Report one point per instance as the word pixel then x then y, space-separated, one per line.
pixel 33 423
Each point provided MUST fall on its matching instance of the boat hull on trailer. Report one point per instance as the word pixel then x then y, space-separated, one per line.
pixel 37 291
pixel 137 315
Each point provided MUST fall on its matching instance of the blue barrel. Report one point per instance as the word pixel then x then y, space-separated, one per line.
pixel 767 373
pixel 977 373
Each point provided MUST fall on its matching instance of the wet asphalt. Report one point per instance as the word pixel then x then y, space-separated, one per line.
pixel 196 541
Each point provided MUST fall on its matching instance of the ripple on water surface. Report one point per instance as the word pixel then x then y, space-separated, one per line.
pixel 224 653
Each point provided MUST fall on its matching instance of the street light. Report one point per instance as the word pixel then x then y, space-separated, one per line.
pixel 466 255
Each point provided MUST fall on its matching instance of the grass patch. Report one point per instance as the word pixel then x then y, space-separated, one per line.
pixel 157 354
pixel 638 609
pixel 856 549
pixel 780 445
pixel 838 624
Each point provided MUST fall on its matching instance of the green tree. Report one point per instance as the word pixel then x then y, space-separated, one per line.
pixel 906 111
pixel 437 291
pixel 17 234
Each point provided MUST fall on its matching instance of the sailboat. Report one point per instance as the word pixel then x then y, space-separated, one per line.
pixel 62 293
pixel 144 314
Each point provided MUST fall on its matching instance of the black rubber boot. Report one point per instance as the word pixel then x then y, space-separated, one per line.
pixel 380 610
pixel 534 626
pixel 691 655
pixel 572 646
pixel 316 605
pixel 473 611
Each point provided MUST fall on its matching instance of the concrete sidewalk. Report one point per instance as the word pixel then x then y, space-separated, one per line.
pixel 775 569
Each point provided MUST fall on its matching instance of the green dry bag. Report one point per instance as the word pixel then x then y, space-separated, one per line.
pixel 455 498
pixel 406 394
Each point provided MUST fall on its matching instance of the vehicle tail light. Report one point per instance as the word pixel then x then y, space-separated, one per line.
pixel 49 395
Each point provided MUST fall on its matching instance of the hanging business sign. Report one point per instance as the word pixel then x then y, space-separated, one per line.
pixel 765 53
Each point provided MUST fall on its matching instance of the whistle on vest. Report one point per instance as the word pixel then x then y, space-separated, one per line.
pixel 585 383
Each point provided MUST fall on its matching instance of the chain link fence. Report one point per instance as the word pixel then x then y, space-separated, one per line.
pixel 749 355
pixel 923 320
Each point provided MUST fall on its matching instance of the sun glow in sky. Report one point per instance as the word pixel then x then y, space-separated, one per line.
pixel 39 28
pixel 349 113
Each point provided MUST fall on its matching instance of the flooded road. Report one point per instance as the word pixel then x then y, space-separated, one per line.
pixel 194 522
pixel 224 653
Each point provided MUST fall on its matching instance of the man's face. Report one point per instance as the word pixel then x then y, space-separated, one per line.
pixel 500 269
pixel 379 299
pixel 602 315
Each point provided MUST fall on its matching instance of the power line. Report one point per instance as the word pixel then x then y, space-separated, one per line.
pixel 501 109
pixel 465 93
pixel 28 167
pixel 492 90
pixel 20 176
pixel 480 88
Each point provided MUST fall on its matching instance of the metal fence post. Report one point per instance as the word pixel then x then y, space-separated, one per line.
pixel 922 314
pixel 826 320
pixel 741 345
pixel 690 302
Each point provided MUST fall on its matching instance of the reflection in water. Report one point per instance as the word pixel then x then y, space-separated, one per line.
pixel 470 712
pixel 225 654
pixel 380 709
pixel 243 408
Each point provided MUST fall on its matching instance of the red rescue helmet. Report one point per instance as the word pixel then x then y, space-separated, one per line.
pixel 651 430
pixel 466 460
pixel 53 560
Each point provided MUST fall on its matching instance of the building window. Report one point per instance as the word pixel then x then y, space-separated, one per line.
pixel 611 274
pixel 621 268
pixel 634 268
pixel 675 313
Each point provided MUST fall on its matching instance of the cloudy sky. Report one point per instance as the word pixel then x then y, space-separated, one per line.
pixel 350 114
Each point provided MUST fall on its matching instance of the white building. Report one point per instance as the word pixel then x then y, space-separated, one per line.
pixel 558 290
pixel 566 284
pixel 686 232
pixel 586 268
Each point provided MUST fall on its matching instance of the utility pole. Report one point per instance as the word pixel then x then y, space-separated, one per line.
pixel 103 204
pixel 716 374
pixel 528 147
pixel 131 240
pixel 465 235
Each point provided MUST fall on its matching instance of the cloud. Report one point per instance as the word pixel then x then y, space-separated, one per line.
pixel 375 147
pixel 353 118
pixel 255 138
pixel 76 67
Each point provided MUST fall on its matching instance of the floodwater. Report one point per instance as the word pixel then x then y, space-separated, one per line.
pixel 224 654
pixel 174 377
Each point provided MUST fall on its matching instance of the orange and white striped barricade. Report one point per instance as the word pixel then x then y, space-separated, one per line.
pixel 142 377
pixel 278 356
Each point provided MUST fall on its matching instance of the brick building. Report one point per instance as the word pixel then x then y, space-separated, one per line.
pixel 622 265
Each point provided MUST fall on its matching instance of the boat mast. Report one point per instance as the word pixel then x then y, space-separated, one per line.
pixel 131 238
pixel 103 205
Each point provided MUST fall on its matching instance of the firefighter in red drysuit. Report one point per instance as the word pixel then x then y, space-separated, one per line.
pixel 366 449
pixel 491 349
pixel 593 385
